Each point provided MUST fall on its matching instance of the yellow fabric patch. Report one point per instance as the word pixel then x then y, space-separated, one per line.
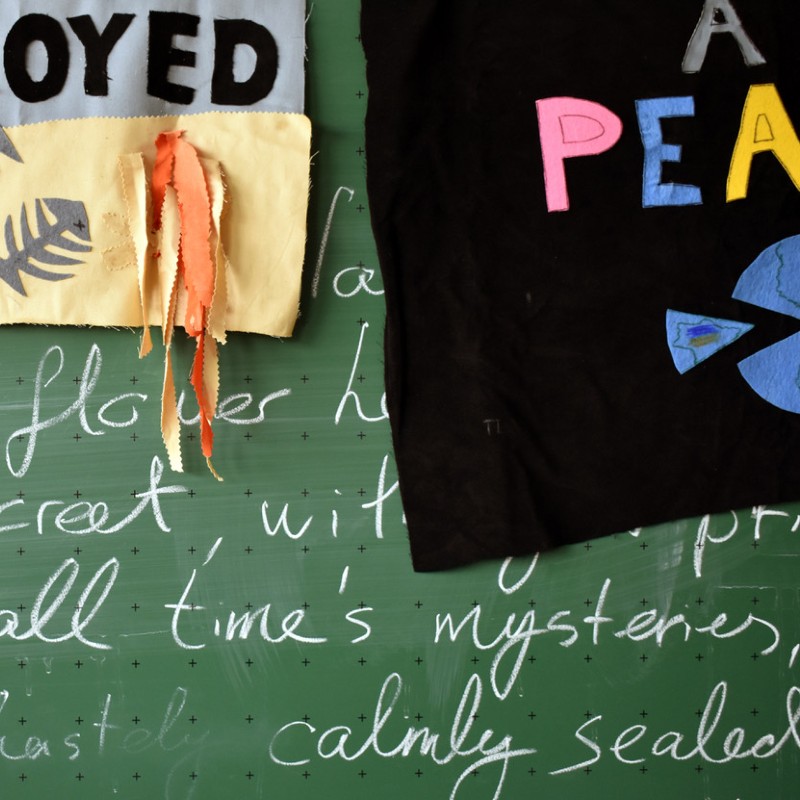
pixel 264 158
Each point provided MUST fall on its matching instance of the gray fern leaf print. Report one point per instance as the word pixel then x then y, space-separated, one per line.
pixel 34 251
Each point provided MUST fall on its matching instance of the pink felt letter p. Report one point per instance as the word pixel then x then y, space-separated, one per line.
pixel 570 127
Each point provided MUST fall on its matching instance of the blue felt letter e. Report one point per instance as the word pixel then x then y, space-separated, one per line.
pixel 656 152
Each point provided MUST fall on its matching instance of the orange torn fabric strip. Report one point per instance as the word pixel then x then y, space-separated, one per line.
pixel 179 168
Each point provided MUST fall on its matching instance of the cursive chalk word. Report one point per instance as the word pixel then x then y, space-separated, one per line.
pixel 459 744
pixel 53 595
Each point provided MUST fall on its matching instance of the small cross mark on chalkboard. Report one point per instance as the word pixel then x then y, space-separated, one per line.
pixel 193 719
pixel 79 776
pixel 587 658
pixel 76 379
pixel 21 551
pixel 361 548
pixel 191 492
pixel 77 437
pixel 23 777
pixel 755 545
pixel 305 662
pixel 248 436
pixel 362 717
pixel 361 435
pixel 192 663
pixel 305 435
pixel 587 546
pixel 531 659
pixel 248 379
pixel 248 549
pixel 643 770
pixel 418 604
pixel 249 718
pixel 193 775
pixel 249 662
pixel 191 437
pixel 191 550
pixel 305 606
pixel 362 661
pixel 419 773
pixel 136 663
pixel 699 657
pixel 644 601
pixel 136 776
pixel 22 720
pixel 305 493
pixel 248 493
pixel 134 494
pixel 361 379
pixel 587 602
pixel 361 321
pixel 135 550
pixel 362 774
pixel 588 770
pixel 531 772
pixel 249 775
pixel 305 379
pixel 362 491
pixel 418 717
pixel 359 94
pixel 135 606
pixel 134 437
pixel 20 380
pixel 532 603
pixel 249 606
pixel 418 660
pixel 22 663
pixel 644 545
pixel 306 548
pixel 79 720
pixel 79 663
pixel 306 774
pixel 644 657
pixel 754 656
pixel 77 495
pixel 700 601
pixel 20 494
pixel 21 607
pixel 136 720
pixel 643 714
pixel 475 660
pixel 532 715
pixel 755 601
pixel 754 768
pixel 755 712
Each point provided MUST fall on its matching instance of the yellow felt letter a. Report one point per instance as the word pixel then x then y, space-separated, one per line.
pixel 765 127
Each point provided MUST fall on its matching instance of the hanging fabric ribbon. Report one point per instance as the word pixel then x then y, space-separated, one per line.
pixel 187 202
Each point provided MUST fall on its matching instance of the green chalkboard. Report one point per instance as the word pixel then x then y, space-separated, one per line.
pixel 165 635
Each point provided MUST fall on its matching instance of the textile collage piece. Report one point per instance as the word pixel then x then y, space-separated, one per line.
pixel 129 139
pixel 587 216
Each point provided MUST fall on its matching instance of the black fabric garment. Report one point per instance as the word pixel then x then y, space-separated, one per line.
pixel 532 393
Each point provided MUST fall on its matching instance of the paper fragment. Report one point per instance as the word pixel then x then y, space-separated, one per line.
pixel 134 187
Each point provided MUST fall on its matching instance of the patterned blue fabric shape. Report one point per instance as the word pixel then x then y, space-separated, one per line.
pixel 774 373
pixel 693 338
pixel 772 281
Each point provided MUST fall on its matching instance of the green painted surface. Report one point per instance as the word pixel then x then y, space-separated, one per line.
pixel 339 688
